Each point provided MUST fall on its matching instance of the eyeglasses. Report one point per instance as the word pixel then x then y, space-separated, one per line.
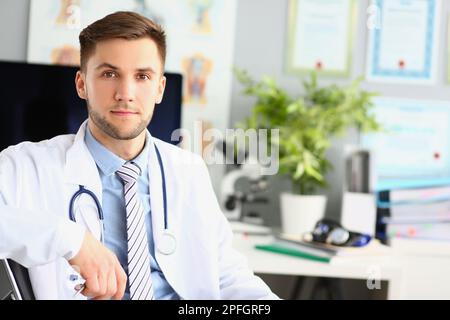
pixel 331 232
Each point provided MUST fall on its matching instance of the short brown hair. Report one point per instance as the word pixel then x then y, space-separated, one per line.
pixel 123 25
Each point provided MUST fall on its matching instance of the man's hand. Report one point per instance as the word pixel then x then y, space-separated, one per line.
pixel 104 275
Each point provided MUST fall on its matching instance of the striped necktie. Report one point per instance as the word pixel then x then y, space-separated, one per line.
pixel 139 272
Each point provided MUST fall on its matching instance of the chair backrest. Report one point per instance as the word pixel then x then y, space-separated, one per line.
pixel 19 281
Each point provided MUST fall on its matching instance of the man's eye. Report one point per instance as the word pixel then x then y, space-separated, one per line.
pixel 109 74
pixel 143 77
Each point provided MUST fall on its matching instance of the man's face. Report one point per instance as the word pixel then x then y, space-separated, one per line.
pixel 121 84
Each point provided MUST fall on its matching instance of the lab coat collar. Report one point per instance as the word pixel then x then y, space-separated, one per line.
pixel 80 167
pixel 80 170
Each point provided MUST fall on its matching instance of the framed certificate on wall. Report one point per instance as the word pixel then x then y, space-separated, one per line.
pixel 320 36
pixel 404 47
pixel 414 148
pixel 448 49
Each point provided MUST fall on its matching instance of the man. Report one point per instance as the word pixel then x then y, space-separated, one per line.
pixel 150 191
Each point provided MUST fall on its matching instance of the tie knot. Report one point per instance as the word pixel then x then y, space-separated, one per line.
pixel 129 172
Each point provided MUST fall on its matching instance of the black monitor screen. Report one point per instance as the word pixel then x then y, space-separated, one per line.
pixel 40 101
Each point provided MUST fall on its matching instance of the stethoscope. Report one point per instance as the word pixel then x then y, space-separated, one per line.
pixel 166 244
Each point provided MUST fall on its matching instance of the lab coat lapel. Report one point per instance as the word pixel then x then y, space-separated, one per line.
pixel 81 170
pixel 156 194
pixel 169 264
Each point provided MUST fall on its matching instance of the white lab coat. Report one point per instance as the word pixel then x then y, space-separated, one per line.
pixel 37 181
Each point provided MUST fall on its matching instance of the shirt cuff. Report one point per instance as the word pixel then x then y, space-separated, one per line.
pixel 70 238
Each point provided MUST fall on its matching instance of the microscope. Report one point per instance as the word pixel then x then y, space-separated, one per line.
pixel 232 199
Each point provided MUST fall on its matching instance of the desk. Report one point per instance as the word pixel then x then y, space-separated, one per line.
pixel 410 274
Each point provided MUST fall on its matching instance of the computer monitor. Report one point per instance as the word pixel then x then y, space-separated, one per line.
pixel 414 149
pixel 40 101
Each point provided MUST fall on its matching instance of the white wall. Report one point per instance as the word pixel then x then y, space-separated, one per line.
pixel 13 29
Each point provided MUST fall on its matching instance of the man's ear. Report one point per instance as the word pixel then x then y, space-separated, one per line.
pixel 161 87
pixel 80 84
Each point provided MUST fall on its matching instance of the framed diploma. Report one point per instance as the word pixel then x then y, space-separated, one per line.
pixel 448 48
pixel 320 36
pixel 404 47
pixel 414 148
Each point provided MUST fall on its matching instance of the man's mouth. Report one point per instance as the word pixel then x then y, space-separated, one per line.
pixel 124 112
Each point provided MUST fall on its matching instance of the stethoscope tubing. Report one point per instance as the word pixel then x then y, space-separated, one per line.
pixel 163 178
pixel 93 196
pixel 82 190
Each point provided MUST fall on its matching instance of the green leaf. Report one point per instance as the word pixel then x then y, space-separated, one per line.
pixel 299 171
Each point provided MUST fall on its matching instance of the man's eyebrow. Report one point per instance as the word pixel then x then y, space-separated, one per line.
pixel 147 69
pixel 106 65
pixel 110 66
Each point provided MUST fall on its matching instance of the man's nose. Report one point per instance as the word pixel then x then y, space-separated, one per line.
pixel 125 91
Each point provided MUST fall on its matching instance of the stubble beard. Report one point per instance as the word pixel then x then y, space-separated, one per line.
pixel 112 130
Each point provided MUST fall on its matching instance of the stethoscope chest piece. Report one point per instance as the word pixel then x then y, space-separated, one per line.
pixel 167 243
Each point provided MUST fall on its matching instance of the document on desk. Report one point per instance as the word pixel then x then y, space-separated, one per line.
pixel 294 246
pixel 298 248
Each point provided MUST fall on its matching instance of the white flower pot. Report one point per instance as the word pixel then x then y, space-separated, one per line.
pixel 299 213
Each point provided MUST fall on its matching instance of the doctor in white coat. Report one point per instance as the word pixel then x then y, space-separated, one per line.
pixel 121 78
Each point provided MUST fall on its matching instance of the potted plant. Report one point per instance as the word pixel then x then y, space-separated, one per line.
pixel 306 125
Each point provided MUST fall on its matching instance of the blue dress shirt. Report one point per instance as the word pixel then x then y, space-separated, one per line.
pixel 115 231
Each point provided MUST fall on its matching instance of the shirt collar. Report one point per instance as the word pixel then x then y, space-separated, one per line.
pixel 107 161
pixel 142 158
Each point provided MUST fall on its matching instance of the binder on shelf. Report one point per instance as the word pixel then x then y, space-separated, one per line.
pixel 419 213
